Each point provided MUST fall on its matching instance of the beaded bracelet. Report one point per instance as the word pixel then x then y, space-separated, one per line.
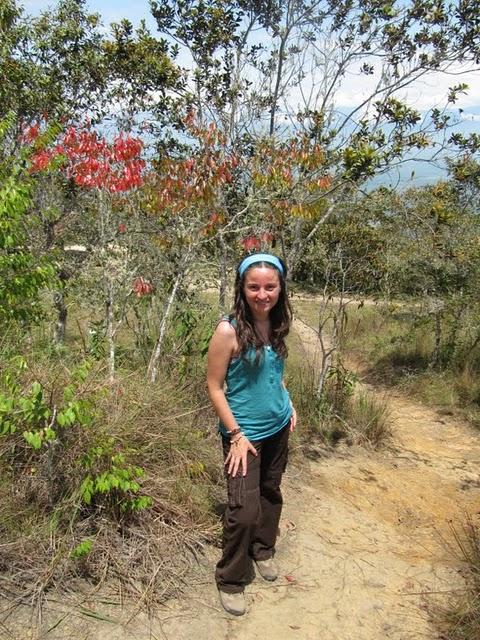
pixel 234 432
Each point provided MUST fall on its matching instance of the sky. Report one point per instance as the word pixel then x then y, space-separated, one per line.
pixel 423 95
pixel 110 10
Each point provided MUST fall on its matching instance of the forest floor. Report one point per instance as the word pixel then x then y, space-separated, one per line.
pixel 365 547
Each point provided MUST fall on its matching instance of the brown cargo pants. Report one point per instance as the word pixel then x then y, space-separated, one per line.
pixel 253 511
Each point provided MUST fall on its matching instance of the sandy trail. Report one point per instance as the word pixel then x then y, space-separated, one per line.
pixel 363 542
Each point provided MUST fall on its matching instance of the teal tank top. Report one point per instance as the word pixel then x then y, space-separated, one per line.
pixel 256 395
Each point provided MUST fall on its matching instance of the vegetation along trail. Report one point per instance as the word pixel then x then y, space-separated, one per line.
pixel 364 544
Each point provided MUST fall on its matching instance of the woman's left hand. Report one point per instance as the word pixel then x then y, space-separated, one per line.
pixel 293 419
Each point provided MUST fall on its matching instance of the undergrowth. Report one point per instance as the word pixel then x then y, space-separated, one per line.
pixel 117 482
pixel 342 412
pixel 395 347
pixel 459 619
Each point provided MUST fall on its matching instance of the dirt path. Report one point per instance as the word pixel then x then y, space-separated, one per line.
pixel 363 540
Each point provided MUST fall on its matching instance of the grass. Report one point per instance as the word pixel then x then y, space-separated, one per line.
pixel 341 412
pixel 368 419
pixel 300 381
pixel 460 618
pixel 392 347
pixel 51 535
pixel 344 411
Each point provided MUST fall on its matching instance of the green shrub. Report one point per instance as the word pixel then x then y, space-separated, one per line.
pixel 24 273
pixel 84 459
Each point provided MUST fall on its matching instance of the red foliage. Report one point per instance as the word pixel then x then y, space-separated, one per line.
pixel 324 182
pixel 195 181
pixel 254 243
pixel 251 243
pixel 142 287
pixel 91 161
pixel 30 133
pixel 40 160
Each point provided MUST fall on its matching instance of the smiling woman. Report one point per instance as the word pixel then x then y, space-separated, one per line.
pixel 262 288
pixel 246 355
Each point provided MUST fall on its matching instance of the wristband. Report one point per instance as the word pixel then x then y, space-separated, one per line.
pixel 234 432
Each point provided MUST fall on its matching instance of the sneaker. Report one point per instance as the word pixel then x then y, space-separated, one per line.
pixel 267 569
pixel 234 603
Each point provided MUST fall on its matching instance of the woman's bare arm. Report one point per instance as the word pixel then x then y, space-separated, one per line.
pixel 223 346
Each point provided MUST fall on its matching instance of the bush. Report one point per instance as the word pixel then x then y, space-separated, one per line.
pixel 339 413
pixel 103 481
pixel 467 386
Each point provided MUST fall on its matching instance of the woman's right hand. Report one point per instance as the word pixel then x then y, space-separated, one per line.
pixel 237 456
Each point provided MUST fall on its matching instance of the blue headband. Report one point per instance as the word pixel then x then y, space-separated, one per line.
pixel 259 257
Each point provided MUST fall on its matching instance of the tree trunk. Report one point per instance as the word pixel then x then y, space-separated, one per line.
pixel 110 334
pixel 62 313
pixel 292 258
pixel 438 339
pixel 152 371
pixel 222 293
pixel 324 368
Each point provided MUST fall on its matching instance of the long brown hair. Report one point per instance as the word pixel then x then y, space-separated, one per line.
pixel 280 316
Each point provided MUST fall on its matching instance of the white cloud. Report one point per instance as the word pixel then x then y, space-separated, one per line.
pixel 470 117
pixel 428 91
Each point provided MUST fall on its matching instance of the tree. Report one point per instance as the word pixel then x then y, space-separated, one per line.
pixel 24 274
pixel 248 58
pixel 431 252
pixel 108 171
pixel 64 65
pixel 191 208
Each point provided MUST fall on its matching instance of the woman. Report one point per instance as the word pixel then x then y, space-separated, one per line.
pixel 247 354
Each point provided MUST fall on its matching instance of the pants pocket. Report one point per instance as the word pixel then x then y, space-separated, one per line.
pixel 236 491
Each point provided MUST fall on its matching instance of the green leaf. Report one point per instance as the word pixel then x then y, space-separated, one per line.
pixel 49 434
pixel 34 438
pixel 69 393
pixel 81 550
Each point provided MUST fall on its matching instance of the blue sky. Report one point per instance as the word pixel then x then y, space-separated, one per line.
pixel 110 10
pixel 423 97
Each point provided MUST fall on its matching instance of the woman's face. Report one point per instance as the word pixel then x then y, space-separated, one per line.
pixel 262 289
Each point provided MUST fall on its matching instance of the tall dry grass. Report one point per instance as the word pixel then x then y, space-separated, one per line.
pixel 395 348
pixel 343 412
pixel 368 419
pixel 459 618
pixel 168 430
